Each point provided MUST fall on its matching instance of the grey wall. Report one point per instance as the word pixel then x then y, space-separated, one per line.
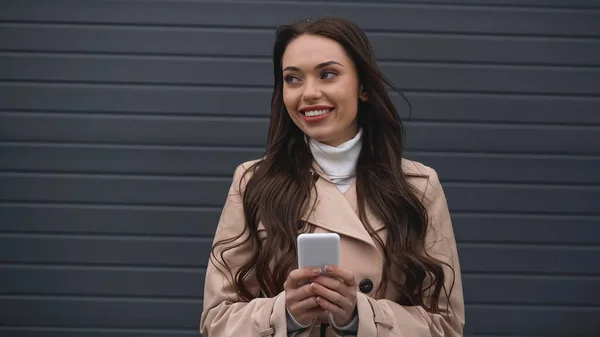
pixel 121 123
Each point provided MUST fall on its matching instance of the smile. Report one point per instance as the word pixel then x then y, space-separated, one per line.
pixel 312 113
pixel 315 113
pixel 315 110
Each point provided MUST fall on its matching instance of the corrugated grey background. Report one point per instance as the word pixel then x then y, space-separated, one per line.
pixel 121 123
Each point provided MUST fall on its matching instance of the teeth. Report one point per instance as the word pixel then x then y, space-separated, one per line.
pixel 313 113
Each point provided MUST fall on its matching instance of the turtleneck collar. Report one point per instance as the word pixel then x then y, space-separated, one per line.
pixel 338 162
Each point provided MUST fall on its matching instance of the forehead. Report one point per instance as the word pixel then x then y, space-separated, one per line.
pixel 310 50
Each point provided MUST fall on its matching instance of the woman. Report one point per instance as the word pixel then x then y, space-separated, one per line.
pixel 333 163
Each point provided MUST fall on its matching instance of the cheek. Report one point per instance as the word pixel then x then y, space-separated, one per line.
pixel 344 96
pixel 348 103
pixel 290 99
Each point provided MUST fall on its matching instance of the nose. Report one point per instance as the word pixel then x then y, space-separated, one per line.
pixel 311 91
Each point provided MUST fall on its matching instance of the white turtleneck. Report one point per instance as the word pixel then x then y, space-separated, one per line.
pixel 338 162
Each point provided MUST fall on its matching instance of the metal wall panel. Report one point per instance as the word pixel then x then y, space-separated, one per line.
pixel 119 137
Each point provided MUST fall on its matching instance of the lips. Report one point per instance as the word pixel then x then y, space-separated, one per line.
pixel 315 110
pixel 315 114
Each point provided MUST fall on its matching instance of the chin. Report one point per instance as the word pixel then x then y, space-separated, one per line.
pixel 319 135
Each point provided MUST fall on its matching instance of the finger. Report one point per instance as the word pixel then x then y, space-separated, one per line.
pixel 304 305
pixel 330 307
pixel 331 283
pixel 336 285
pixel 344 274
pixel 299 294
pixel 332 296
pixel 296 276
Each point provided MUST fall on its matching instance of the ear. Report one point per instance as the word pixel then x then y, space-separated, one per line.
pixel 362 95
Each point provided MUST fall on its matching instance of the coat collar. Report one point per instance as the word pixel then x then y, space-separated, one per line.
pixel 337 212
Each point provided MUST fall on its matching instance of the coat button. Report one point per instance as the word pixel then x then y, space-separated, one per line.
pixel 365 286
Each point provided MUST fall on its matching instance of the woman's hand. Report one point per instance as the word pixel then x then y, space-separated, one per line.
pixel 300 299
pixel 336 293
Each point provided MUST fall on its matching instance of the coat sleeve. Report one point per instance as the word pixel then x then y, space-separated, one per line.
pixel 224 313
pixel 414 321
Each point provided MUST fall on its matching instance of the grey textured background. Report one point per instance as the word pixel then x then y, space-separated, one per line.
pixel 121 123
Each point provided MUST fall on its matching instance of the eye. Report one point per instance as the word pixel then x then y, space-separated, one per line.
pixel 291 79
pixel 328 74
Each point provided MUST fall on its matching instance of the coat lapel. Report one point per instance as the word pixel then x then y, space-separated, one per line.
pixel 336 212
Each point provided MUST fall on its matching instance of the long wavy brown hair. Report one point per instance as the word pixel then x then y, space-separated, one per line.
pixel 278 190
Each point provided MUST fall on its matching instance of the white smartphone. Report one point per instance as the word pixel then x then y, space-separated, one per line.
pixel 318 250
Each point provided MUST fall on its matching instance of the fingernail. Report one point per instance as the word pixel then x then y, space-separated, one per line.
pixel 317 271
pixel 329 268
pixel 314 286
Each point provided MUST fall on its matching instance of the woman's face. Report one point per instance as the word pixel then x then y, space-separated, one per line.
pixel 321 89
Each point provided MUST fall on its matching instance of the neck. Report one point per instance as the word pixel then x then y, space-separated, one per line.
pixel 338 162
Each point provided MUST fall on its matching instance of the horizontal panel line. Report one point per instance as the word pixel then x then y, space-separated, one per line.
pixel 147 84
pixel 444 4
pixel 176 266
pixel 167 238
pixel 472 154
pixel 161 116
pixel 537 307
pixel 108 206
pixel 199 299
pixel 266 59
pixel 178 146
pixel 591 187
pixel 213 208
pixel 577 215
pixel 553 305
pixel 549 212
pixel 438 4
pixel 121 205
pixel 270 30
pixel 265 118
pixel 132 146
pixel 46 329
pixel 101 267
pixel 507 124
pixel 226 178
pixel 101 298
pixel 146 299
pixel 151 332
pixel 209 239
pixel 90 85
pixel 214 86
pixel 536 246
pixel 268 88
pixel 521 183
pixel 506 335
pixel 484 5
pixel 529 276
pixel 140 268
pixel 151 56
pixel 102 236
pixel 536 216
pixel 529 244
pixel 79 235
pixel 120 176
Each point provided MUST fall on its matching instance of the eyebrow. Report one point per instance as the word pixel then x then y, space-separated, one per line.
pixel 318 66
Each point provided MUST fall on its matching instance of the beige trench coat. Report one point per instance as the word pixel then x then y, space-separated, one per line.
pixel 225 316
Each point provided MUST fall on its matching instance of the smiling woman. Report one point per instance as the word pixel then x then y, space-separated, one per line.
pixel 321 89
pixel 334 163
